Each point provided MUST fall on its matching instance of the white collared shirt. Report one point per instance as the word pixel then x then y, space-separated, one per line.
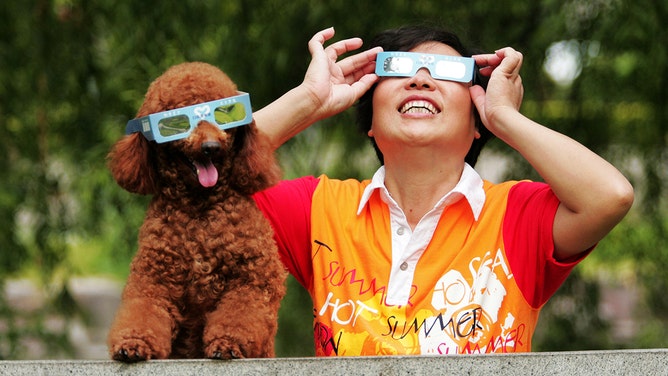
pixel 407 245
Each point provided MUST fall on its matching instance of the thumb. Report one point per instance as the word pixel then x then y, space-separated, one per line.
pixel 478 96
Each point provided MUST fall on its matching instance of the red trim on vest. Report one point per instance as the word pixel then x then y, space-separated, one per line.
pixel 287 205
pixel 528 228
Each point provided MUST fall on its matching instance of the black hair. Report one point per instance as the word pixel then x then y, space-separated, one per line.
pixel 404 39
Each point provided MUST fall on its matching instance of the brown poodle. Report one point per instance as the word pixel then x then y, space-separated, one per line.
pixel 206 280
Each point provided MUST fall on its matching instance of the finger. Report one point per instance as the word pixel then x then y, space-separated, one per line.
pixel 507 57
pixel 511 60
pixel 486 71
pixel 518 59
pixel 487 60
pixel 343 46
pixel 317 42
pixel 363 61
pixel 363 84
pixel 478 97
pixel 495 58
pixel 359 74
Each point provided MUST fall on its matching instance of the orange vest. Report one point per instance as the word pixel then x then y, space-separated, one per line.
pixel 463 300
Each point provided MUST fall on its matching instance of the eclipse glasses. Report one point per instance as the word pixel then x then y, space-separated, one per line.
pixel 179 123
pixel 441 67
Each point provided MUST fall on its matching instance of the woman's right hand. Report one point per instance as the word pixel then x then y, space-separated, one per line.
pixel 329 87
pixel 333 85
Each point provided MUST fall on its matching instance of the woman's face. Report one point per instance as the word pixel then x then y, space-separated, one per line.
pixel 421 111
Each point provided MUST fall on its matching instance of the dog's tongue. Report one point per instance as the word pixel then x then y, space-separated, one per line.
pixel 207 175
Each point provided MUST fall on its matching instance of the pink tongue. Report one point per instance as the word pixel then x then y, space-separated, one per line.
pixel 207 175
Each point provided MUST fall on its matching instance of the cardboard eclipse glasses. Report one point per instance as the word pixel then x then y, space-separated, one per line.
pixel 441 67
pixel 179 123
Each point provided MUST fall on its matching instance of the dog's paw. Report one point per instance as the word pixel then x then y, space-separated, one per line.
pixel 131 351
pixel 223 349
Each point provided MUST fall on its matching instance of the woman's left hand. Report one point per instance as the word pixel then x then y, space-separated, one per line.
pixel 504 90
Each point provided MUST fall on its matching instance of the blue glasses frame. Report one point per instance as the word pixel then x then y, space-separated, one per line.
pixel 178 123
pixel 441 67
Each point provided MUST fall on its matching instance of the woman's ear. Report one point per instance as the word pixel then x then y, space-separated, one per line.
pixel 130 164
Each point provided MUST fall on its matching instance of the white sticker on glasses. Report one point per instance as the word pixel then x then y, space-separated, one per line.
pixel 202 111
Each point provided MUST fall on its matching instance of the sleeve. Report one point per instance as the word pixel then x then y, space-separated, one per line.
pixel 287 206
pixel 528 237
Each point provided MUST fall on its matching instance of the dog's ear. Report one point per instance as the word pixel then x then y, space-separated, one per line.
pixel 254 167
pixel 131 165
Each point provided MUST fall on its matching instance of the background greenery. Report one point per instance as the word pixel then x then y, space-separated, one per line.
pixel 73 72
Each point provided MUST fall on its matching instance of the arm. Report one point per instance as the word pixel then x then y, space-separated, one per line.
pixel 329 87
pixel 594 196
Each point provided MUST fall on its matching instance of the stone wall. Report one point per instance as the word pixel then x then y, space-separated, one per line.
pixel 618 362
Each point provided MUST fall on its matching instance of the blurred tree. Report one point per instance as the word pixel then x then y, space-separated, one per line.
pixel 572 321
pixel 73 72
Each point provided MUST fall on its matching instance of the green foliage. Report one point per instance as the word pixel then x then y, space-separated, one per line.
pixel 295 323
pixel 73 72
pixel 571 321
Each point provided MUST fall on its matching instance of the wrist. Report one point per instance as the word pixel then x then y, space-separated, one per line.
pixel 502 119
pixel 288 115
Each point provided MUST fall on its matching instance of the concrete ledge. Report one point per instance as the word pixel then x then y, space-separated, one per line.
pixel 622 362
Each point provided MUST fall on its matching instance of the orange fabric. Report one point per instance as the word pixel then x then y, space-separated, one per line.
pixel 464 298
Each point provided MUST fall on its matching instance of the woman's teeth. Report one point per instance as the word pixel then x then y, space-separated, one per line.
pixel 418 107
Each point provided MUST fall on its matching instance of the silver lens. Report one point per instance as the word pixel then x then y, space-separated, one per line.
pixel 397 64
pixel 450 69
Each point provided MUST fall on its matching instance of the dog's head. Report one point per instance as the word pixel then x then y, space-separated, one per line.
pixel 209 158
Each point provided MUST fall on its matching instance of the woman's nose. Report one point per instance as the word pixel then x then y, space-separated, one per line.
pixel 422 80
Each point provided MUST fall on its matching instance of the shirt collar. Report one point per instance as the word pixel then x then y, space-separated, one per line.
pixel 470 186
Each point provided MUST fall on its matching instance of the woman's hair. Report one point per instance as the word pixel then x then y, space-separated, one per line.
pixel 404 39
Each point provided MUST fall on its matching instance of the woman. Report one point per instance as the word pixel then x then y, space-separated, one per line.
pixel 426 257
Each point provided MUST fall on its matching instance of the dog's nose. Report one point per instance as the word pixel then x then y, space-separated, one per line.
pixel 210 147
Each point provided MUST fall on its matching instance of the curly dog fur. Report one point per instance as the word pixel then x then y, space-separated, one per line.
pixel 206 280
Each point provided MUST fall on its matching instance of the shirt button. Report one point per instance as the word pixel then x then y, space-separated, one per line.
pixel 403 266
pixel 400 231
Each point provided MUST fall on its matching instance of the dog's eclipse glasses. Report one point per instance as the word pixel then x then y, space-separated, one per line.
pixel 441 67
pixel 179 123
